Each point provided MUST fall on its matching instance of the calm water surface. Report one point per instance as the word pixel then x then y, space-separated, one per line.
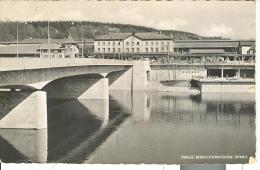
pixel 142 127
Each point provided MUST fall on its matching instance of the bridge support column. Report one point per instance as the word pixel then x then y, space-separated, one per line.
pixel 31 113
pixel 134 78
pixel 98 91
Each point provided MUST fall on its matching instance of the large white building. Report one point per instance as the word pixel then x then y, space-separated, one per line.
pixel 134 43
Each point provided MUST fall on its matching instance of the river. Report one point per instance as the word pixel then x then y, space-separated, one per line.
pixel 139 127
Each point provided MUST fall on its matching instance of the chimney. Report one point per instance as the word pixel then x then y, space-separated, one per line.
pixel 133 33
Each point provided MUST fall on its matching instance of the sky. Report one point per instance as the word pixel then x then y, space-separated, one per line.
pixel 208 18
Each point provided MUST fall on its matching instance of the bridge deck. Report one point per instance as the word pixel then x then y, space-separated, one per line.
pixel 7 64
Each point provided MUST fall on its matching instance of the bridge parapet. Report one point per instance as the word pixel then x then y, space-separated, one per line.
pixel 7 64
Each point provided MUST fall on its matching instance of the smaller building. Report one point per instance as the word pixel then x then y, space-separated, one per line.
pixel 23 50
pixel 246 47
pixel 224 46
pixel 86 46
pixel 55 50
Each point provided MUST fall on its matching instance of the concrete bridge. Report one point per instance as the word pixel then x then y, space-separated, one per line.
pixel 77 78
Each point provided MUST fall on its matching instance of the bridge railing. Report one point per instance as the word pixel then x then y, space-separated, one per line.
pixel 204 62
pixel 35 63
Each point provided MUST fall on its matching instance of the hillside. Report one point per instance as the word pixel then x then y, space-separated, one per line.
pixel 62 29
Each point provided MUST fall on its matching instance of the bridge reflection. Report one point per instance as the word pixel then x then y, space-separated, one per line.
pixel 76 128
pixel 166 125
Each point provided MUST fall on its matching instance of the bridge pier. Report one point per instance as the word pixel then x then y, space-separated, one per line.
pixel 135 78
pixel 30 113
pixel 99 90
pixel 31 144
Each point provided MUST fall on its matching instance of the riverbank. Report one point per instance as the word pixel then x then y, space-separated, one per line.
pixel 178 87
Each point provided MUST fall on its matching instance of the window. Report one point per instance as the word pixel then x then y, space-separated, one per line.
pixel 114 43
pixel 162 43
pixel 137 49
pixel 98 43
pixel 133 43
pixel 104 50
pixel 151 43
pixel 127 43
pixel 156 43
pixel 103 44
pixel 133 50
pixel 118 43
pixel 108 49
pixel 168 43
pixel 146 49
pixel 137 43
pixel 162 49
pixel 146 43
pixel 114 50
pixel 127 50
pixel 118 50
pixel 108 43
pixel 99 50
pixel 157 50
pixel 151 49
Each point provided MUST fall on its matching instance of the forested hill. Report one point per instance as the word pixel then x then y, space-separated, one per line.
pixel 62 29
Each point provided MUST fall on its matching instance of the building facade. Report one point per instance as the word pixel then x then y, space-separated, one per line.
pixel 134 43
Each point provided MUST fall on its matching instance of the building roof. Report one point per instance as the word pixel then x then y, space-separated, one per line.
pixel 216 43
pixel 206 44
pixel 117 36
pixel 22 49
pixel 52 46
pixel 38 41
pixel 152 36
pixel 207 51
pixel 247 43
pixel 142 36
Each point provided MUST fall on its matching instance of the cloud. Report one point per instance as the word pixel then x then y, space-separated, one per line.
pixel 217 30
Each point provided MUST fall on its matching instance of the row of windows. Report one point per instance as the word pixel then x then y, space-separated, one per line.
pixel 189 71
pixel 118 50
pixel 109 43
pixel 157 43
pixel 109 50
pixel 133 43
pixel 157 49
pixel 133 50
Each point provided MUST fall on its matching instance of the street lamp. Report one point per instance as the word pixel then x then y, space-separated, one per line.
pixel 48 39
pixel 82 40
pixel 17 37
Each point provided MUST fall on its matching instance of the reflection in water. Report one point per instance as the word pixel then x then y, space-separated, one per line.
pixel 165 126
pixel 162 128
pixel 18 145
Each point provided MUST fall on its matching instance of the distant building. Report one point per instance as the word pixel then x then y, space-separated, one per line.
pixel 59 48
pixel 246 47
pixel 23 50
pixel 56 50
pixel 148 43
pixel 87 45
pixel 214 47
